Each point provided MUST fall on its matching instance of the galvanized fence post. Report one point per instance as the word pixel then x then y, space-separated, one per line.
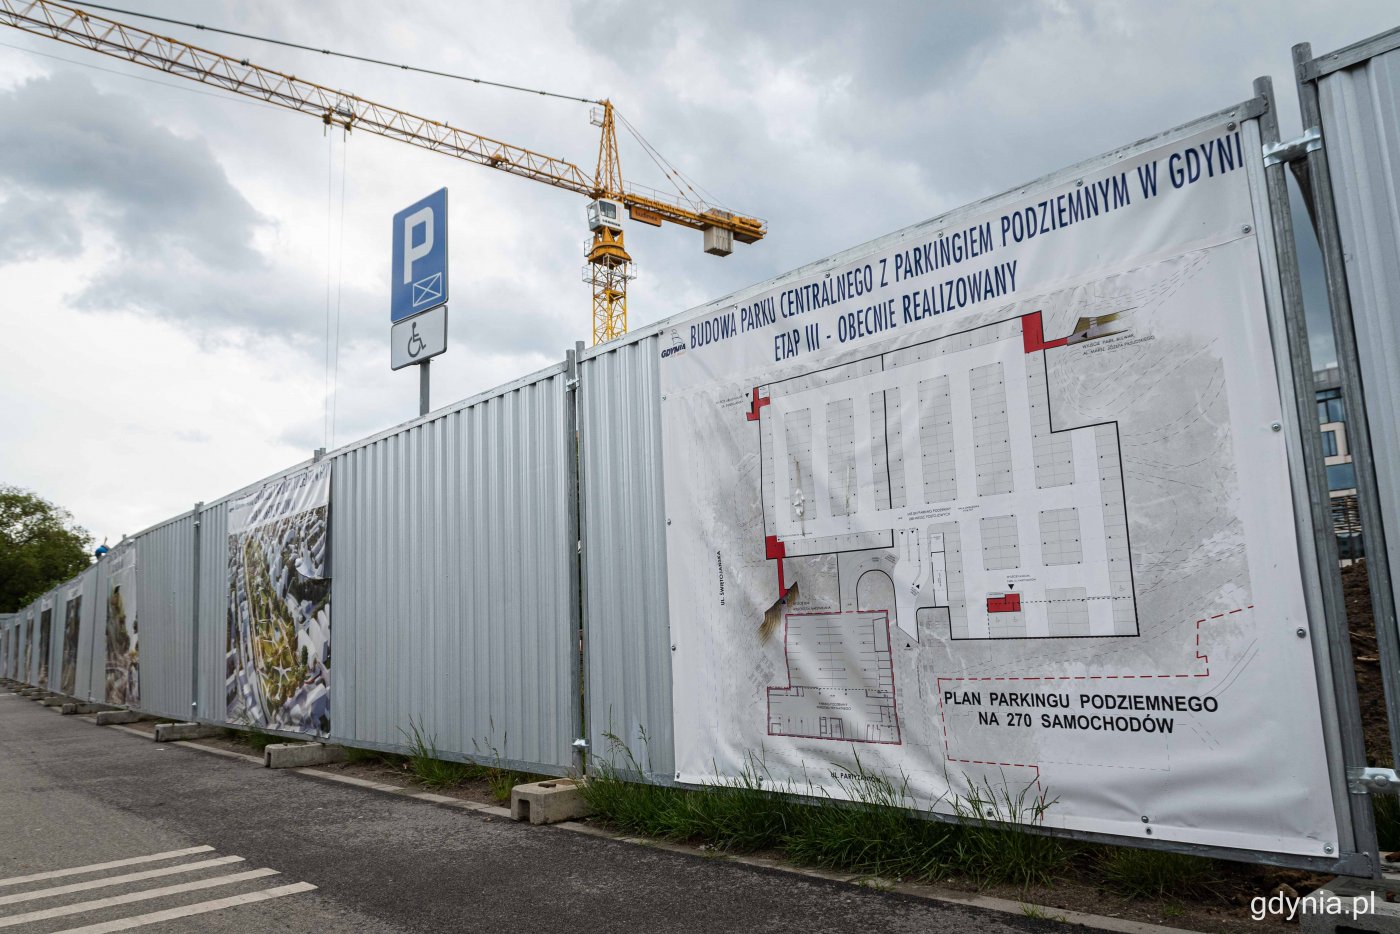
pixel 578 646
pixel 1348 711
pixel 194 617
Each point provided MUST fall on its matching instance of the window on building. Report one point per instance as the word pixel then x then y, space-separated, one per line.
pixel 1330 407
pixel 1329 443
pixel 1341 477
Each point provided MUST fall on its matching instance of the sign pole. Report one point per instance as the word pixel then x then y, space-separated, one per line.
pixel 423 387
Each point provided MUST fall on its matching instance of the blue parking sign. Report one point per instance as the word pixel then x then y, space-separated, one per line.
pixel 420 257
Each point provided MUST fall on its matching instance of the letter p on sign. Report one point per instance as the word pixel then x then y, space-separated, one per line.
pixel 423 218
pixel 419 259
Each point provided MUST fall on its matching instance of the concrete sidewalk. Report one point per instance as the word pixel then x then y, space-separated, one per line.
pixel 73 794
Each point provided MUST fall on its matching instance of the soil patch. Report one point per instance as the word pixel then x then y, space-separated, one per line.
pixel 1370 689
pixel 1222 907
pixel 390 771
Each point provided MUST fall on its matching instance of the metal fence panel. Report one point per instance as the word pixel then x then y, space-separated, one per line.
pixel 25 672
pixel 86 583
pixel 55 652
pixel 624 555
pixel 212 698
pixel 1360 110
pixel 165 582
pixel 7 636
pixel 450 567
pixel 26 658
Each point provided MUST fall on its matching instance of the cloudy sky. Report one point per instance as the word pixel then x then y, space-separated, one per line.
pixel 170 255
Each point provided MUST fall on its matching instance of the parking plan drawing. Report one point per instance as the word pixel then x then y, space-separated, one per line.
pixel 940 480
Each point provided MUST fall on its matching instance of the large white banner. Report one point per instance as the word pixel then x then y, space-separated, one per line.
pixel 279 610
pixel 1024 470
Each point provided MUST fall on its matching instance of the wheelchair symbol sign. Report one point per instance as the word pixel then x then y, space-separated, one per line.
pixel 417 339
pixel 415 343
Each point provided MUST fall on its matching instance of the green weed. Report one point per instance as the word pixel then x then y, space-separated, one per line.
pixel 736 815
pixel 1043 914
pixel 427 767
pixel 994 842
pixel 875 832
pixel 1387 811
pixel 500 780
pixel 1153 873
pixel 868 826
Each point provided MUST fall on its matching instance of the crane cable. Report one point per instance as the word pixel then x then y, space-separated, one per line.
pixel 701 199
pixel 351 56
pixel 339 285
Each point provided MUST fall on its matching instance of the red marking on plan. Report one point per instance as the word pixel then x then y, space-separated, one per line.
pixel 756 407
pixel 1033 334
pixel 1004 603
pixel 774 550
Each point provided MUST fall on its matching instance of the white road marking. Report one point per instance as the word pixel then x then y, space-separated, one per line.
pixel 199 908
pixel 114 900
pixel 117 880
pixel 114 864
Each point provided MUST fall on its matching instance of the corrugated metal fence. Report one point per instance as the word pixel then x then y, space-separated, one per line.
pixel 1352 96
pixel 454 561
pixel 624 555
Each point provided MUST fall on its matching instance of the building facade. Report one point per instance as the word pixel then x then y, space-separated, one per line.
pixel 1341 474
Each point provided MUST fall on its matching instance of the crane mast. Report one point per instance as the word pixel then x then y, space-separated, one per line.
pixel 609 265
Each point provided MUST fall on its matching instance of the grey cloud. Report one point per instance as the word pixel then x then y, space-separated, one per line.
pixel 182 232
pixel 159 194
pixel 881 49
pixel 510 317
pixel 31 228
pixel 257 300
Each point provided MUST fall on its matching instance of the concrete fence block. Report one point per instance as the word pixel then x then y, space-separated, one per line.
pixel 79 708
pixel 1351 906
pixel 301 755
pixel 113 717
pixel 548 802
pixel 54 700
pixel 171 732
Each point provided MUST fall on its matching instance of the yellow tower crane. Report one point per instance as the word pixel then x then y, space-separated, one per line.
pixel 609 265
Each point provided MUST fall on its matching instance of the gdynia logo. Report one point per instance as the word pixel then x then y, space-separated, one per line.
pixel 677 345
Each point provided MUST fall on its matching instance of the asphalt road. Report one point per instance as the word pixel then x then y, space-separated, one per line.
pixel 73 795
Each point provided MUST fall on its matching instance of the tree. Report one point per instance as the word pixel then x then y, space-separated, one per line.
pixel 40 547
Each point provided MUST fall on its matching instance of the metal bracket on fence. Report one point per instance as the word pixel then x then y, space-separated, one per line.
pixel 580 743
pixel 1363 781
pixel 1290 150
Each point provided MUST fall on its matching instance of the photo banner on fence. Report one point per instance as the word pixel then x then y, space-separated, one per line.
pixel 72 623
pixel 45 641
pixel 1002 504
pixel 122 626
pixel 279 608
pixel 28 670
